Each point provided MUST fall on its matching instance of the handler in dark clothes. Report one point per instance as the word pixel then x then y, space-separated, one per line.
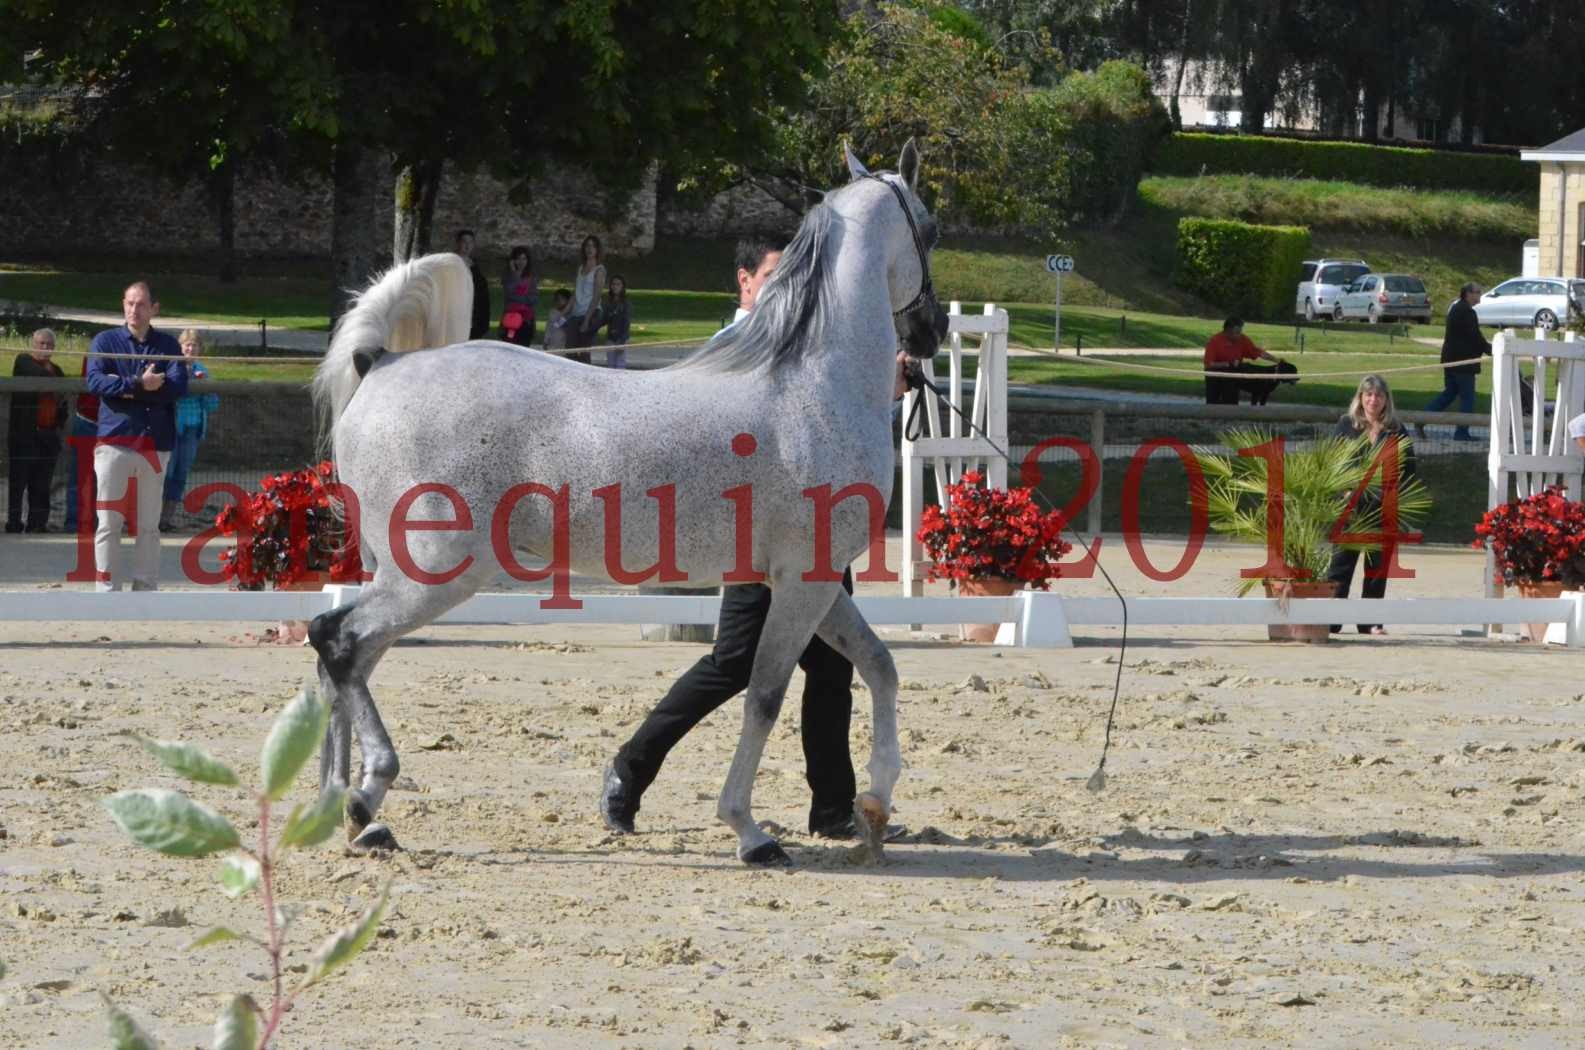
pixel 35 427
pixel 724 672
pixel 1461 340
pixel 479 327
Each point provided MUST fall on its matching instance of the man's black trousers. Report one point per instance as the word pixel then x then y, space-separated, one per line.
pixel 724 673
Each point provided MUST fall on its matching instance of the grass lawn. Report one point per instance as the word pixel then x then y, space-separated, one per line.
pixel 1411 390
pixel 1334 206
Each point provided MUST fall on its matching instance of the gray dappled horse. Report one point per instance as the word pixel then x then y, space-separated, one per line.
pixel 532 446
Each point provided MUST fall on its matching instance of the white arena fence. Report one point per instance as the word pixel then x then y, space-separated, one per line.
pixel 1031 619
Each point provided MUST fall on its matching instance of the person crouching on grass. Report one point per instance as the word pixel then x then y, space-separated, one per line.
pixel 1225 351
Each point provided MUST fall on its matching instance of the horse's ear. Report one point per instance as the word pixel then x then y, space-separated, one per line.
pixel 908 165
pixel 856 168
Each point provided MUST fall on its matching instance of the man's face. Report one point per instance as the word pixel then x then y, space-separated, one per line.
pixel 1473 296
pixel 137 308
pixel 1235 331
pixel 749 284
pixel 43 346
pixel 465 246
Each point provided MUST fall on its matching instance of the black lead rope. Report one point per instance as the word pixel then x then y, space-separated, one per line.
pixel 913 429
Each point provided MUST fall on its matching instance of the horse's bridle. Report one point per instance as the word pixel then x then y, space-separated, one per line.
pixel 927 293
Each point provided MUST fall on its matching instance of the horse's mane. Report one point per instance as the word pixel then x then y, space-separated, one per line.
pixel 790 315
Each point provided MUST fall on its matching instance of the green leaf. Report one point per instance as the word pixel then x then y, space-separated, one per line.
pixel 343 946
pixel 189 760
pixel 237 1027
pixel 214 935
pixel 292 740
pixel 171 822
pixel 239 873
pixel 318 822
pixel 125 1033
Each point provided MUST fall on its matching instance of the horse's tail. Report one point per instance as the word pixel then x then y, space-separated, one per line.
pixel 417 305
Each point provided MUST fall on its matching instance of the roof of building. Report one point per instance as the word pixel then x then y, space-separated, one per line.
pixel 1569 147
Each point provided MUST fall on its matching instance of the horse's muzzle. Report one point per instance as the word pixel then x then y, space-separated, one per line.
pixel 922 329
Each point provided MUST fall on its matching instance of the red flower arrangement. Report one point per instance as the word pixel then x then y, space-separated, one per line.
pixel 988 534
pixel 1541 537
pixel 288 530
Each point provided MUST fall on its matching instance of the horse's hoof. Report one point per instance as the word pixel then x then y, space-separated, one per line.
pixel 767 855
pixel 869 817
pixel 375 837
pixel 358 814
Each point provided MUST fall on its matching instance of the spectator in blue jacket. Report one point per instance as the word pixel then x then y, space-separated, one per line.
pixel 192 422
pixel 138 373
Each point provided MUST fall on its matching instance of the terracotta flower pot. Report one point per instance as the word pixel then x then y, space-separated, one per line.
pixel 313 581
pixel 1536 632
pixel 993 587
pixel 1313 633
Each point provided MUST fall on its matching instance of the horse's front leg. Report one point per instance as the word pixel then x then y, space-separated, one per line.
pixel 795 609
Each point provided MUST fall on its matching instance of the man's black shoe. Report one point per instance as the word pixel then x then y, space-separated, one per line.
pixel 616 809
pixel 833 827
pixel 13 527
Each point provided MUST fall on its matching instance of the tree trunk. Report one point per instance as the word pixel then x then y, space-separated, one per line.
pixel 426 208
pixel 417 189
pixel 354 248
pixel 1183 62
pixel 1370 120
pixel 223 189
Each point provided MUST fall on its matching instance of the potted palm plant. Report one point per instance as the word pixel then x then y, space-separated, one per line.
pixel 1319 481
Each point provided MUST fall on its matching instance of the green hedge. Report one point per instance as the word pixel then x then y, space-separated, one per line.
pixel 1188 153
pixel 1240 267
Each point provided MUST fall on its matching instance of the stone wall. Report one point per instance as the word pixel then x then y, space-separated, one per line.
pixel 107 207
pixel 738 211
pixel 1562 190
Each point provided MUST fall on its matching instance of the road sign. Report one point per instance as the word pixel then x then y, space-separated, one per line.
pixel 1059 264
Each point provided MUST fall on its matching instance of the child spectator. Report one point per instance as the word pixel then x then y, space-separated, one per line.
pixel 617 319
pixel 192 421
pixel 556 324
pixel 522 295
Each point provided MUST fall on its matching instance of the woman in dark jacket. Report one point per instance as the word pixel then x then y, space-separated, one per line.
pixel 1371 414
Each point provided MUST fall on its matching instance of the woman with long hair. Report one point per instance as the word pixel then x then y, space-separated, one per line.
pixel 584 321
pixel 521 288
pixel 1373 415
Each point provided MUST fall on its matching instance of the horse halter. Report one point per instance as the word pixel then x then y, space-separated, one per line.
pixel 927 292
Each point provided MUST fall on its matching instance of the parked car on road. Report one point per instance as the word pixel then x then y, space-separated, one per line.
pixel 1321 281
pixel 1530 302
pixel 1379 297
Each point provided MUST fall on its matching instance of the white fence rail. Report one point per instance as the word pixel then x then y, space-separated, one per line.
pixel 1032 618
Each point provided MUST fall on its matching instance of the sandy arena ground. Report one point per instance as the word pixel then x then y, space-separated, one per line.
pixel 1373 843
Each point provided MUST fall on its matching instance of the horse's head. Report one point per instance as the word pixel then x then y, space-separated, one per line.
pixel 921 323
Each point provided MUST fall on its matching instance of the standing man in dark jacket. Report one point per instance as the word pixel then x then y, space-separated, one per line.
pixel 1461 340
pixel 479 327
pixel 37 420
pixel 138 373
pixel 724 672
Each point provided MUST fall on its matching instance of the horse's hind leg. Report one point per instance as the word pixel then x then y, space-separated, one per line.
pixel 794 610
pixel 846 631
pixel 350 641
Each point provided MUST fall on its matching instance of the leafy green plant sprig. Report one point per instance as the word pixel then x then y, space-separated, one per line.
pixel 172 823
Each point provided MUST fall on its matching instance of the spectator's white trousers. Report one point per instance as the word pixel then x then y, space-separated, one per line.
pixel 115 469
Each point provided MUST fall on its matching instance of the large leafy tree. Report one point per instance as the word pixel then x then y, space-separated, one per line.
pixel 355 85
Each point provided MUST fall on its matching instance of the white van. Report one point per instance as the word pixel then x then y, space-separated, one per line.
pixel 1321 283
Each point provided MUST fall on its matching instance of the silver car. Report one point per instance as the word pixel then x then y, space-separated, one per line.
pixel 1530 302
pixel 1321 281
pixel 1378 297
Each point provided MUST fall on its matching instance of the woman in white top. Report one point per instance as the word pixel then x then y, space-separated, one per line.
pixel 585 319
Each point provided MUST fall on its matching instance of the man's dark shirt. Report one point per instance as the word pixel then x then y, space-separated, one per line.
pixel 1461 339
